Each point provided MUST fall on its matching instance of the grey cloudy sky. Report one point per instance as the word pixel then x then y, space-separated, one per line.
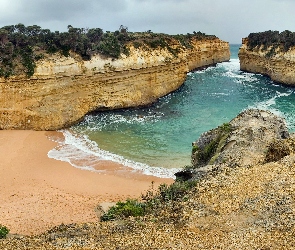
pixel 230 20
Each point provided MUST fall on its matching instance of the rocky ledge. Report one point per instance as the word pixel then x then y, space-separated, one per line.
pixel 270 53
pixel 244 201
pixel 63 89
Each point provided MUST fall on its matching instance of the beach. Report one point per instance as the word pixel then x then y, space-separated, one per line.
pixel 38 193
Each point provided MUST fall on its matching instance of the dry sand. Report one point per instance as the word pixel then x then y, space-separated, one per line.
pixel 38 193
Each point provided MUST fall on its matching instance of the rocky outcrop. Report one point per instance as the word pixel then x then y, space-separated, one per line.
pixel 273 62
pixel 253 137
pixel 64 89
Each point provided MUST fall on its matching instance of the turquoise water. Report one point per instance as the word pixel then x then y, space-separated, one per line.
pixel 161 135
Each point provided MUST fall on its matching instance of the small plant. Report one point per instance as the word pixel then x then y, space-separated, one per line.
pixel 277 150
pixel 208 152
pixel 137 44
pixel 226 127
pixel 167 198
pixel 176 191
pixel 124 209
pixel 3 231
pixel 195 148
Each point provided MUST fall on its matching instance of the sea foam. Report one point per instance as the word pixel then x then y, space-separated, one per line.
pixel 82 153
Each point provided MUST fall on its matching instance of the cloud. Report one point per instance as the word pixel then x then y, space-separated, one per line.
pixel 230 20
pixel 56 11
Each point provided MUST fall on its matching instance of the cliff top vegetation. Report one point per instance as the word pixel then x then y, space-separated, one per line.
pixel 21 46
pixel 284 40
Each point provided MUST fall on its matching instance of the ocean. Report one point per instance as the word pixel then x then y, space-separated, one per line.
pixel 157 139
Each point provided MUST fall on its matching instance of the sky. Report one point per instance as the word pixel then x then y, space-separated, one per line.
pixel 230 20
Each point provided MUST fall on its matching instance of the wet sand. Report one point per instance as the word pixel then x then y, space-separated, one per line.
pixel 38 193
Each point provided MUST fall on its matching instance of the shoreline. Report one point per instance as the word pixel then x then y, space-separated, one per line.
pixel 38 192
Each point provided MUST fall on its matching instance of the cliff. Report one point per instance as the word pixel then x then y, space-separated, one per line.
pixel 63 89
pixel 270 60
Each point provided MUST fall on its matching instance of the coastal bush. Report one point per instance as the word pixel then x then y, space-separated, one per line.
pixel 21 46
pixel 284 40
pixel 3 231
pixel 276 150
pixel 207 153
pixel 175 192
pixel 165 200
pixel 166 205
pixel 124 209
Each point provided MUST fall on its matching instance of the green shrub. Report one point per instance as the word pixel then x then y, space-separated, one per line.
pixel 167 204
pixel 3 231
pixel 284 40
pixel 208 153
pixel 176 191
pixel 155 202
pixel 276 150
pixel 167 195
pixel 21 46
pixel 137 44
pixel 124 209
pixel 226 127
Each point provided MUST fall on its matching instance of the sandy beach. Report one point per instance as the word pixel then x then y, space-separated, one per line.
pixel 38 193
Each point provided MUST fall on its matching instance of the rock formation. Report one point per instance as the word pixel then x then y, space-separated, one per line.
pixel 64 89
pixel 272 61
pixel 243 141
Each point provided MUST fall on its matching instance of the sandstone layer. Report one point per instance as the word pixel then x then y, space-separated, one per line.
pixel 64 89
pixel 278 65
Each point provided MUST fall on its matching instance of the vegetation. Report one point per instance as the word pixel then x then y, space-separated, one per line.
pixel 167 199
pixel 3 231
pixel 208 153
pixel 274 39
pixel 276 150
pixel 124 209
pixel 21 46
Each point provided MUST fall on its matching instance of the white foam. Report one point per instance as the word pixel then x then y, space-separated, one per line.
pixel 201 71
pixel 233 71
pixel 270 103
pixel 92 124
pixel 82 153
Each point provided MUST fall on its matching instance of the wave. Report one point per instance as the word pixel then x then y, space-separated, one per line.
pixel 82 153
pixel 270 105
pixel 232 70
pixel 97 123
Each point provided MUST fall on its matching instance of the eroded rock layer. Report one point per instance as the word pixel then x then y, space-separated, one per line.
pixel 64 89
pixel 273 62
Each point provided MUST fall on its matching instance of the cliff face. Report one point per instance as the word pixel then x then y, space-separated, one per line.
pixel 64 89
pixel 278 65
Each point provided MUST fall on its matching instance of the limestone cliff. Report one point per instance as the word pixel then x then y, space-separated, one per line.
pixel 64 89
pixel 279 65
